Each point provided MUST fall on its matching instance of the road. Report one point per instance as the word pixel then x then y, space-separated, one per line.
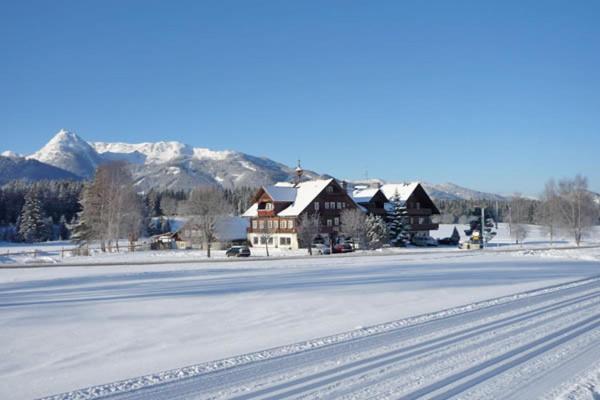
pixel 520 347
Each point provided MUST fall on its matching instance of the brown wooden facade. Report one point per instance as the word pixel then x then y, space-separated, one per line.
pixel 328 204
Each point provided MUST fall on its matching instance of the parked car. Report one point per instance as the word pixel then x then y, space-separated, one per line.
pixel 448 241
pixel 343 248
pixel 320 249
pixel 238 251
pixel 424 241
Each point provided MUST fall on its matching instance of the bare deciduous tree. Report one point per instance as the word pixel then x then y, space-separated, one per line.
pixel 354 225
pixel 204 207
pixel 111 207
pixel 576 206
pixel 548 213
pixel 518 216
pixel 266 234
pixel 309 226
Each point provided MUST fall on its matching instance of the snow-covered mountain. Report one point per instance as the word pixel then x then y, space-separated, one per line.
pixel 170 165
pixel 68 151
pixel 176 165
pixel 451 191
pixel 14 167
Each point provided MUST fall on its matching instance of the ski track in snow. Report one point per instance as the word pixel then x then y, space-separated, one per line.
pixel 523 346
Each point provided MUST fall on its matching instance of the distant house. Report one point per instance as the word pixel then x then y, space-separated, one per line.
pixel 276 210
pixel 165 241
pixel 419 206
pixel 230 230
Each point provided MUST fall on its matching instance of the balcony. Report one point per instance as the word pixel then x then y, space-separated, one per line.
pixel 424 227
pixel 418 211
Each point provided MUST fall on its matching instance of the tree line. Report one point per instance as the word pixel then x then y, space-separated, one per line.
pixel 566 206
pixel 104 209
pixel 108 208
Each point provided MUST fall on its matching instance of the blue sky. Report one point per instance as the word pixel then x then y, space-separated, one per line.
pixel 497 96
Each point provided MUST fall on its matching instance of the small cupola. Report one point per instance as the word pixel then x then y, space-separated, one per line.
pixel 299 171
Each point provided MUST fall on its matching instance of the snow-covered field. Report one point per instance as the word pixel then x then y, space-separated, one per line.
pixel 50 252
pixel 65 328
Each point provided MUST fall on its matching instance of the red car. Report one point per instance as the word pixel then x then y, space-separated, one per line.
pixel 343 248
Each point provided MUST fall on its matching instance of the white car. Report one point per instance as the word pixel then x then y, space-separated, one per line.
pixel 320 249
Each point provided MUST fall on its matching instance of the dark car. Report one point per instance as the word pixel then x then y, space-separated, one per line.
pixel 238 251
pixel 343 248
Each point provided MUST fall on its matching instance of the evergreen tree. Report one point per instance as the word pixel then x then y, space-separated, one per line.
pixel 63 230
pixel 397 222
pixel 33 226
pixel 377 232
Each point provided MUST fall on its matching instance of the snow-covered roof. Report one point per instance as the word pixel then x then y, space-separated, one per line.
pixel 284 184
pixel 252 211
pixel 281 193
pixel 404 190
pixel 231 228
pixel 300 195
pixel 364 195
pixel 227 227
pixel 306 192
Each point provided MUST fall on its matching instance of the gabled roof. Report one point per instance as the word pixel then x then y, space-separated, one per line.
pixel 285 194
pixel 252 211
pixel 364 195
pixel 300 196
pixel 306 192
pixel 404 190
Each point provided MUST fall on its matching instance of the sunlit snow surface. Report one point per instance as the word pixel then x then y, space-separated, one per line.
pixel 70 327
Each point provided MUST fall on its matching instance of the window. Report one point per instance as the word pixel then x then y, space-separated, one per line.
pixel 270 224
pixel 255 240
pixel 271 240
pixel 285 241
pixel 336 221
pixel 276 224
pixel 261 224
pixel 254 224
pixel 332 205
pixel 327 205
pixel 344 205
pixel 329 189
pixel 316 206
pixel 329 223
pixel 421 220
pixel 262 240
pixel 339 205
pixel 269 206
pixel 290 224
pixel 417 205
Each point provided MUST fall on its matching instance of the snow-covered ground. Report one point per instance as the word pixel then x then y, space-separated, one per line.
pixel 50 252
pixel 65 328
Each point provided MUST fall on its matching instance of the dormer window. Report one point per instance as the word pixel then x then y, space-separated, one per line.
pixel 329 189
pixel 269 206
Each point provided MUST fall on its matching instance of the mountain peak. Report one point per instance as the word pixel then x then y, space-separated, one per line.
pixel 68 151
pixel 65 136
pixel 10 154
